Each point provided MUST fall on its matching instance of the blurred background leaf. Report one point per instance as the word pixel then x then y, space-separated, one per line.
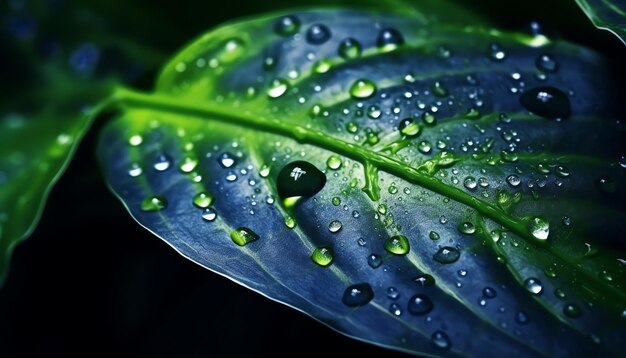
pixel 608 15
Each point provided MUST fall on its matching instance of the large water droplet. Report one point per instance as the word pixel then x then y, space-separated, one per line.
pixel 447 255
pixel 162 163
pixel 299 178
pixel 572 310
pixel 317 34
pixel 440 339
pixel 358 295
pixel 334 226
pixel 470 183
pixel 226 160
pixel 154 203
pixel 409 127
pixel 277 88
pixel 374 260
pixel 287 25
pixel 209 214
pixel 533 285
pixel 397 245
pixel 243 236
pixel 322 256
pixel 513 180
pixel 333 162
pixel 547 101
pixel 135 170
pixel 349 48
pixel 362 89
pixel 203 200
pixel 424 280
pixel 539 227
pixel 389 39
pixel 420 305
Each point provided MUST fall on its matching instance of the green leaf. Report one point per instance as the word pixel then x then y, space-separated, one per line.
pixel 608 15
pixel 437 189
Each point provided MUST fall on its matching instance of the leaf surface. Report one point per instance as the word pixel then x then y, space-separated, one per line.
pixel 438 190
pixel 608 15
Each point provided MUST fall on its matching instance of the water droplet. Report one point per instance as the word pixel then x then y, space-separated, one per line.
pixel 382 209
pixel 572 310
pixel 496 53
pixel 424 280
pixel 264 172
pixel 290 222
pixel 429 118
pixel 467 228
pixel 606 185
pixel 232 50
pixel 358 295
pixel 550 272
pixel 433 235
pixel 389 39
pixel 513 180
pixel 226 160
pixel 317 34
pixel 287 25
pixel 533 285
pixel 622 161
pixel 605 276
pixel 409 127
pixel 374 260
pixel 447 255
pixel 299 178
pixel 395 309
pixel 509 157
pixel 349 49
pixel 135 170
pixel 546 63
pixel 470 182
pixel 539 227
pixel 374 112
pixel 547 102
pixel 322 66
pixel 443 219
pixel 188 164
pixel 397 245
pixel 162 163
pixel 333 162
pixel 439 90
pixel 559 293
pixel 334 226
pixel 440 339
pixel 154 203
pixel 521 317
pixel 135 140
pixel 462 273
pixel 355 214
pixel 424 147
pixel 322 256
pixel 362 89
pixel 203 200
pixel 277 88
pixel 489 292
pixel 420 305
pixel 209 214
pixel 243 236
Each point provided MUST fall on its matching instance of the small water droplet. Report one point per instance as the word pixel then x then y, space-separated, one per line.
pixel 513 180
pixel 439 90
pixel 409 127
pixel 429 119
pixel 539 227
pixel 443 219
pixel 605 276
pixel 440 340
pixel 495 53
pixel 521 317
pixel 559 293
pixel 467 228
pixel 264 172
pixel 362 89
pixel 389 39
pixel 154 203
pixel 287 25
pixel 333 162
pixel 433 235
pixel 243 236
pixel 298 179
pixel 550 272
pixel 424 280
pixel 606 185
pixel 349 49
pixel 226 160
pixel 420 305
pixel 358 295
pixel 209 214
pixel 397 245
pixel 489 292
pixel 162 163
pixel 135 140
pixel 393 293
pixel 447 255
pixel 355 214
pixel 188 164
pixel 547 63
pixel 395 309
pixel 317 34
pixel 203 200
pixel 277 88
pixel 470 183
pixel 290 222
pixel 334 226
pixel 424 147
pixel 374 260
pixel 135 170
pixel 533 285
pixel 322 256
pixel 546 101
pixel 572 310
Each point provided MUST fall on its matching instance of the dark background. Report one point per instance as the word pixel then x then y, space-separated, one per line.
pixel 90 280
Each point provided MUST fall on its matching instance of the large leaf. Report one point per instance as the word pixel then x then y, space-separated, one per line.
pixel 609 15
pixel 423 187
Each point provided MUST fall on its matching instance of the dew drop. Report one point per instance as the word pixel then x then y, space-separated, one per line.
pixel 546 63
pixel 162 163
pixel 428 118
pixel 334 226
pixel 298 179
pixel 467 228
pixel 495 53
pixel 135 140
pixel 606 185
pixel 358 295
pixel 420 305
pixel 424 147
pixel 362 89
pixel 226 160
pixel 521 317
pixel 424 280
pixel 489 292
pixel 203 200
pixel 322 256
pixel 447 255
pixel 513 180
pixel 559 293
pixel 154 203
pixel 317 34
pixel 290 222
pixel 374 260
pixel 188 164
pixel 333 162
pixel 243 236
pixel 397 245
pixel 443 219
pixel 572 310
pixel 470 183
pixel 546 101
pixel 392 293
pixel 134 170
pixel 409 127
pixel 389 39
pixel 433 235
pixel 440 340
pixel 349 49
pixel 539 227
pixel 439 90
pixel 277 88
pixel 374 112
pixel 395 309
pixel 287 25
pixel 264 172
pixel 533 285
pixel 209 214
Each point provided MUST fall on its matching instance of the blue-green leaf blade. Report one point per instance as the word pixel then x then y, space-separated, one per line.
pixel 608 15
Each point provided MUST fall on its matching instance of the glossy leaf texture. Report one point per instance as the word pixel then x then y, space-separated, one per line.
pixel 608 15
pixel 429 188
